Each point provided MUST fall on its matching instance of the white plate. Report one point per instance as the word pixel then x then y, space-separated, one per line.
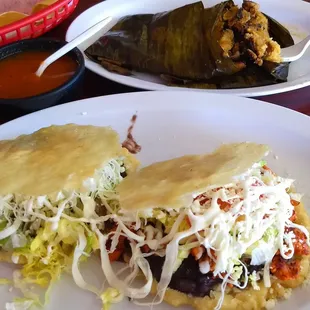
pixel 294 14
pixel 170 124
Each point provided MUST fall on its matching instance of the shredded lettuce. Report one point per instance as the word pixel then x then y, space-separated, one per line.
pixel 269 237
pixel 254 278
pixel 4 281
pixel 3 225
pixel 270 234
pixel 106 179
pixel 10 230
pixel 49 254
pixel 182 254
pixel 110 295
pixel 53 234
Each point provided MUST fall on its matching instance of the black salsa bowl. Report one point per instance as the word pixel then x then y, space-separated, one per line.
pixel 64 93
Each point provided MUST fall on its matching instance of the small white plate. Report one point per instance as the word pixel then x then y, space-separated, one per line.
pixel 172 124
pixel 293 14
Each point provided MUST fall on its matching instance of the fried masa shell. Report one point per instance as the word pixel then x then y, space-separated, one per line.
pixel 58 158
pixel 247 299
pixel 171 183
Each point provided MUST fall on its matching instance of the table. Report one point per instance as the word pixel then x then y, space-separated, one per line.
pixel 95 85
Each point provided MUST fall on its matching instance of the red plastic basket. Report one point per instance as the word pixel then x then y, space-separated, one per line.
pixel 37 24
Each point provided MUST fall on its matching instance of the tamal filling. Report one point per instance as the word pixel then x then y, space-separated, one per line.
pixel 246 34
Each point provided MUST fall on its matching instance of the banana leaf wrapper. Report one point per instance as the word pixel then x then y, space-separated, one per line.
pixel 165 43
pixel 182 47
